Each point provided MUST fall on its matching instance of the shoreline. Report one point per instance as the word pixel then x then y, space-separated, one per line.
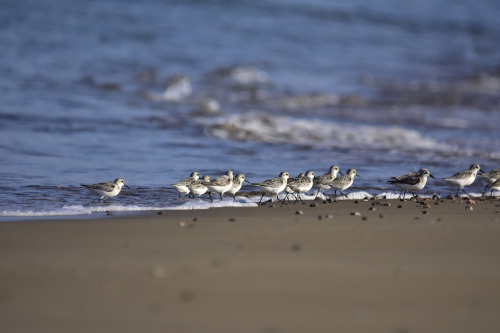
pixel 258 269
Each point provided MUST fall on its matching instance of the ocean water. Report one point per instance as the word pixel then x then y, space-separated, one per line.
pixel 151 90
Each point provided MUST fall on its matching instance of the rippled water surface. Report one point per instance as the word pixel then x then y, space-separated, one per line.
pixel 149 91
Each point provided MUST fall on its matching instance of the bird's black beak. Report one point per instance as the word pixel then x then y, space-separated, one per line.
pixel 126 186
pixel 482 170
pixel 248 181
pixel 432 176
pixel 358 175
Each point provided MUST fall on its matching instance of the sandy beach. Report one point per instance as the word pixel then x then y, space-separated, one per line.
pixel 347 266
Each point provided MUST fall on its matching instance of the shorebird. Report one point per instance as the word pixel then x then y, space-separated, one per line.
pixel 237 183
pixel 490 178
pixel 106 189
pixel 197 186
pixel 411 182
pixel 302 184
pixel 220 185
pixel 495 186
pixel 273 186
pixel 344 182
pixel 182 186
pixel 464 178
pixel 288 190
pixel 322 182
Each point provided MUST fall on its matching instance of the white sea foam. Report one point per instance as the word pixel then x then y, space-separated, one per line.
pixel 262 127
pixel 74 210
pixel 195 204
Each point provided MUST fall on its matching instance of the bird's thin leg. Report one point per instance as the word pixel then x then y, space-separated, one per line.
pixel 465 192
pixel 261 198
pixel 485 190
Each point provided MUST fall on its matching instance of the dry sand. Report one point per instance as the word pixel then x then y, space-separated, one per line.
pixel 264 269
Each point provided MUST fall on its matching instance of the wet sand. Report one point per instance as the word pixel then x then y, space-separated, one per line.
pixel 265 269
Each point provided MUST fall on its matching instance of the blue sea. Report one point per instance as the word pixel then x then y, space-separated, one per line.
pixel 152 90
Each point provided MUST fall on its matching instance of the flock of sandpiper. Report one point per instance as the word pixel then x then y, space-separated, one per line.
pixel 229 184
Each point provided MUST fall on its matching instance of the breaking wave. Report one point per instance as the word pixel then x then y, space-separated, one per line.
pixel 265 128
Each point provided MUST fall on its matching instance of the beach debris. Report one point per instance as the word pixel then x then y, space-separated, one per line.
pixel 356 201
pixel 437 203
pixel 381 216
pixel 161 213
pixel 313 205
pixel 232 219
pixel 425 212
pixel 299 212
pixel 356 213
pixel 469 208
pixel 183 224
pixel 364 218
pixel 426 206
pixel 372 208
pixel 387 204
pixel 159 272
pixel 450 197
pixel 471 202
pixel 195 219
pixel 435 197
pixel 400 206
pixel 109 213
pixel 186 296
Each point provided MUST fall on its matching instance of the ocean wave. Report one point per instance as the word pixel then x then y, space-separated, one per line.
pixel 265 128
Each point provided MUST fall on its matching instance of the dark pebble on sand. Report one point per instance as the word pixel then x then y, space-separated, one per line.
pixel 313 205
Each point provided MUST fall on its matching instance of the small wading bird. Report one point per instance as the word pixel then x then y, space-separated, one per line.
pixel 288 190
pixel 237 183
pixel 302 184
pixel 273 186
pixel 106 189
pixel 322 182
pixel 411 182
pixel 490 178
pixel 344 182
pixel 182 186
pixel 220 185
pixel 197 187
pixel 495 187
pixel 464 178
